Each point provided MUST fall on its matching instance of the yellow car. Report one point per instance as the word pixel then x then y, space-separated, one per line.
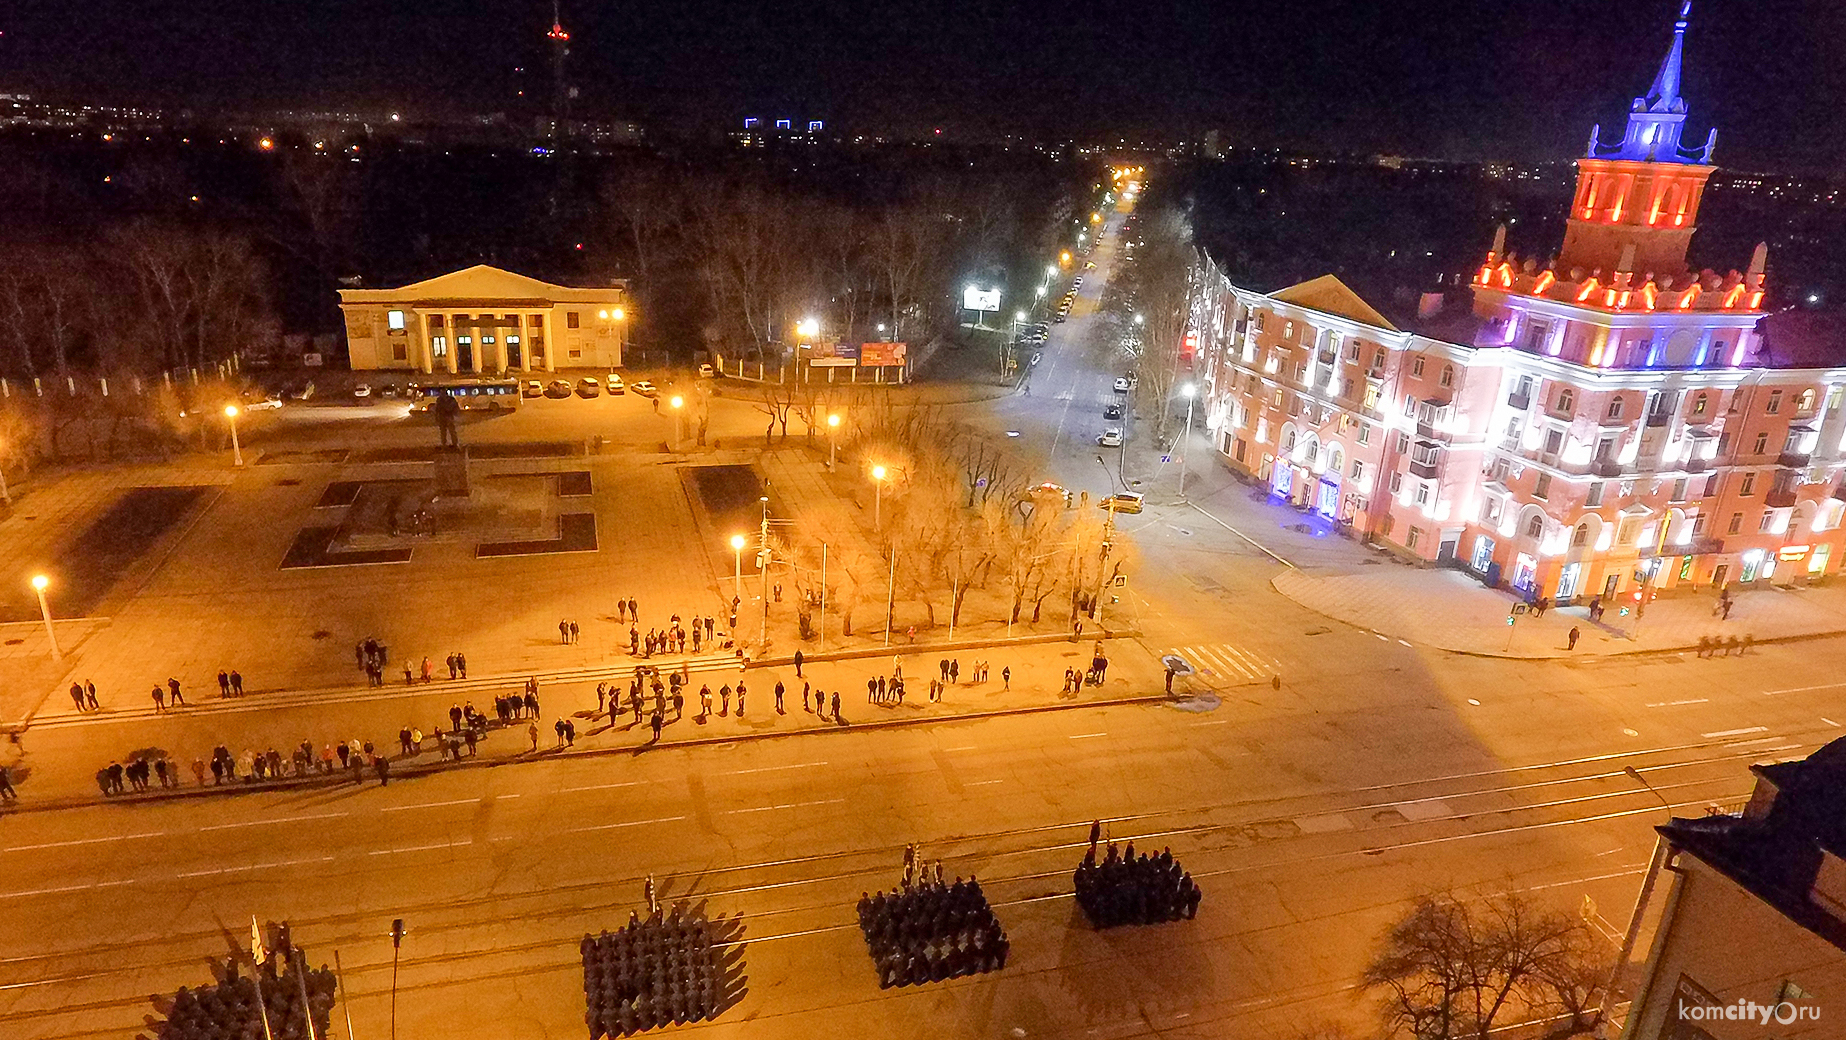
pixel 1123 502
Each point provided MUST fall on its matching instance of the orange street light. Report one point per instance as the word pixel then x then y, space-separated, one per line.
pixel 237 451
pixel 39 581
pixel 878 478
pixel 738 542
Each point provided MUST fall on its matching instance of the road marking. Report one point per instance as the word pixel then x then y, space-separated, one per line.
pixel 624 823
pixel 1213 722
pixel 269 823
pixel 601 787
pixel 1406 642
pixel 422 848
pixel 1829 722
pixel 969 747
pixel 431 805
pixel 82 841
pixel 1086 736
pixel 785 805
pixel 500 796
pixel 255 866
pixel 1675 704
pixel 1735 732
pixel 773 769
pixel 983 783
pixel 1758 740
pixel 1804 689
pixel 65 888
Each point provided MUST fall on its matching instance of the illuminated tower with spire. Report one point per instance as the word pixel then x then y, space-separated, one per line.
pixel 1641 194
pixel 560 90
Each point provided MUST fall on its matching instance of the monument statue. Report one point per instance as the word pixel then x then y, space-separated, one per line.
pixel 447 410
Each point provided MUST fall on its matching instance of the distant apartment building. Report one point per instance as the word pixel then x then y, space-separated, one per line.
pixel 1747 914
pixel 1599 424
pixel 485 320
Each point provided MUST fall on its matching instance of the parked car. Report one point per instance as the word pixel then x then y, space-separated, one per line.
pixel 1059 320
pixel 1110 438
pixel 615 385
pixel 1113 411
pixel 362 391
pixel 1121 386
pixel 1123 502
pixel 558 389
pixel 533 388
pixel 388 390
pixel 705 372
pixel 644 388
pixel 589 386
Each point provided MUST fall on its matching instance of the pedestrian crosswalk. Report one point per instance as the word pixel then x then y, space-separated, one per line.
pixel 1230 663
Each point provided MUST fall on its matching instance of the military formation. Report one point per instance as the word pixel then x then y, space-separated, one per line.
pixel 1123 888
pixel 234 1008
pixel 927 930
pixel 666 969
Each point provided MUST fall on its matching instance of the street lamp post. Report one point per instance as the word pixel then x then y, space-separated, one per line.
pixel 237 451
pixel 833 426
pixel 738 542
pixel 762 563
pixel 677 403
pixel 6 497
pixel 39 581
pixel 1185 435
pixel 878 497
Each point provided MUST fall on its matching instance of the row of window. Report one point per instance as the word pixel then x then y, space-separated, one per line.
pixel 394 320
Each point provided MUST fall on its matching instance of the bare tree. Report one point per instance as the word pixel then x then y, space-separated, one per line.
pixel 1453 968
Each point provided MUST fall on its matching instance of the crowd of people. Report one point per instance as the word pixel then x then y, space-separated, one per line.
pixel 928 930
pixel 1122 888
pixel 666 968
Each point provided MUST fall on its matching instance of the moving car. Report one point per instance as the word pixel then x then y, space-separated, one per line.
pixel 589 386
pixel 644 388
pixel 616 387
pixel 558 389
pixel 1121 386
pixel 1123 502
pixel 1113 411
pixel 1050 490
pixel 1110 438
pixel 533 388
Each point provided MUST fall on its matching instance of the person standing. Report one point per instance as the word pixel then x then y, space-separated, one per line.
pixel 160 700
pixel 779 710
pixel 77 695
pixel 659 722
pixel 224 683
pixel 382 763
pixel 574 631
pixel 954 670
pixel 532 732
pixel 451 664
pixel 1574 634
pixel 1006 678
pixel 89 695
pixel 237 686
pixel 836 705
pixel 461 663
pixel 1573 642
pixel 797 664
pixel 740 699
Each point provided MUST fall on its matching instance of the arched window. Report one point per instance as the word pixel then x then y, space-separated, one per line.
pixel 1580 536
pixel 1807 400
pixel 1288 443
pixel 1448 375
pixel 1566 399
pixel 1615 408
pixel 1699 404
pixel 1535 526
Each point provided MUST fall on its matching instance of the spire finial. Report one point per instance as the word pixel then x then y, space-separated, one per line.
pixel 1663 96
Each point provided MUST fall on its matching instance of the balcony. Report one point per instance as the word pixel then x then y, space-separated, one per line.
pixel 1779 498
pixel 1425 469
pixel 1795 459
pixel 1519 400
pixel 1659 418
pixel 1697 465
pixel 1696 547
pixel 1606 468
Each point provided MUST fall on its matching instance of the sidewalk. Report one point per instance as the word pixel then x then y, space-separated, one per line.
pixel 1450 610
pixel 59 770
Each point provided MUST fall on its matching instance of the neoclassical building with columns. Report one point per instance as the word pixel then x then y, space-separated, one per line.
pixel 484 320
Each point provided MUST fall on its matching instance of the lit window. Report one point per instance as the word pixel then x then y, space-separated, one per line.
pixel 394 319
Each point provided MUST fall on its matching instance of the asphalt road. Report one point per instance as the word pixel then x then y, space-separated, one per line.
pixel 1310 810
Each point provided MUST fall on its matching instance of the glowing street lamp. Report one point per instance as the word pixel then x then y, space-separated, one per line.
pixel 738 542
pixel 1051 270
pixel 237 451
pixel 833 426
pixel 678 404
pixel 878 482
pixel 808 328
pixel 39 581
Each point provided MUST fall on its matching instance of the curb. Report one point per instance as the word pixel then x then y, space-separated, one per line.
pixel 930 648
pixel 335 780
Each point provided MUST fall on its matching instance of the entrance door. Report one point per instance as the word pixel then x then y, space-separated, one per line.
pixel 1445 549
pixel 1718 576
pixel 1608 587
pixel 1329 504
pixel 1525 568
pixel 1483 554
pixel 513 349
pixel 1567 581
pixel 464 353
pixel 1282 479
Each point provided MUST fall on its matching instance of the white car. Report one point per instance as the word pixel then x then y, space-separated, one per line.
pixel 1121 386
pixel 644 388
pixel 615 384
pixel 705 372
pixel 362 391
pixel 1111 438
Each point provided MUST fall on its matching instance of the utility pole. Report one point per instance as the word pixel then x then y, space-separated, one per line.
pixel 823 596
pixel 763 562
pixel 890 595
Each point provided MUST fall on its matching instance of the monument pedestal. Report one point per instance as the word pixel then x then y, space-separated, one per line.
pixel 452 473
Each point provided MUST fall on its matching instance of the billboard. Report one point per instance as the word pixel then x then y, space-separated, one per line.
pixel 834 355
pixel 980 299
pixel 882 354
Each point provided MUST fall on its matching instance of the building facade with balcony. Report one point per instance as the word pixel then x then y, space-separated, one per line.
pixel 1601 423
pixel 482 320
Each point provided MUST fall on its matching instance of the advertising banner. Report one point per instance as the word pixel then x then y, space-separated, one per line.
pixel 882 354
pixel 980 299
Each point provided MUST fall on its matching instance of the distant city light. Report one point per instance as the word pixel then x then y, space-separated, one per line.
pixel 266 145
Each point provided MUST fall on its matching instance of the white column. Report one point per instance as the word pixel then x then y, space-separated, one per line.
pixel 553 339
pixel 525 343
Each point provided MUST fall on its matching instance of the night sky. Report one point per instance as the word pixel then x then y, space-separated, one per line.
pixel 1503 79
